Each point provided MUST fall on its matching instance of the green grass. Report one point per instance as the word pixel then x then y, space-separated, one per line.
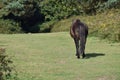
pixel 51 56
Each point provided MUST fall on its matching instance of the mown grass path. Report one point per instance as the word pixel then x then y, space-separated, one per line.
pixel 51 56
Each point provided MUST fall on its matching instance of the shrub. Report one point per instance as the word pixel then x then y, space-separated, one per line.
pixel 105 25
pixel 60 9
pixel 8 26
pixel 30 13
pixel 6 69
pixel 110 31
pixel 47 26
pixel 25 12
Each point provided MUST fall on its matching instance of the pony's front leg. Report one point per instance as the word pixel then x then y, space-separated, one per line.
pixel 77 47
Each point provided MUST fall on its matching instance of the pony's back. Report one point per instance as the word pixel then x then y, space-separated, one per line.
pixel 78 29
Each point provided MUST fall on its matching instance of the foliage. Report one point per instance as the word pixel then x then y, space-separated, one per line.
pixel 90 6
pixel 94 6
pixel 41 15
pixel 60 9
pixel 24 12
pixel 21 8
pixel 47 26
pixel 6 70
pixel 105 25
pixel 9 27
pixel 112 4
pixel 110 26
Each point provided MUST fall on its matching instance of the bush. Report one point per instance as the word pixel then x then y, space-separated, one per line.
pixel 6 70
pixel 109 26
pixel 8 26
pixel 105 25
pixel 60 9
pixel 30 14
pixel 112 4
pixel 24 12
pixel 47 26
pixel 110 31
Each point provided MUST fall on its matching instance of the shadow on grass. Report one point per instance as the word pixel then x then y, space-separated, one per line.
pixel 90 55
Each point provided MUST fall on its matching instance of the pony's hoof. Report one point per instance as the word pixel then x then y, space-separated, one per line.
pixel 83 56
pixel 78 57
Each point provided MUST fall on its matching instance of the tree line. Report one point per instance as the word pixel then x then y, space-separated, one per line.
pixel 23 16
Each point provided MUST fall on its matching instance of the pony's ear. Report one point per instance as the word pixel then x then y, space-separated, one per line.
pixel 78 20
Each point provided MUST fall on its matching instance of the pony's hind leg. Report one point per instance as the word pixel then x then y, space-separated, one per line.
pixel 82 50
pixel 83 55
pixel 77 47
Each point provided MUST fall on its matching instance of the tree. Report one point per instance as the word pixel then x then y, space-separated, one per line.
pixel 112 4
pixel 26 12
pixel 59 9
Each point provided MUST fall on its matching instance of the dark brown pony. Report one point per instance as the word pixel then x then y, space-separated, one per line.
pixel 79 32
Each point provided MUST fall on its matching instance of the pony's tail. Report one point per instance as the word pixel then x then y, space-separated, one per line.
pixel 72 32
pixel 83 37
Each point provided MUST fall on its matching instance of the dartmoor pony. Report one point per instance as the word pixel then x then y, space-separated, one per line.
pixel 79 32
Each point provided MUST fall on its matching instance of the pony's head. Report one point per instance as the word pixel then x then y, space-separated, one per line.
pixel 76 21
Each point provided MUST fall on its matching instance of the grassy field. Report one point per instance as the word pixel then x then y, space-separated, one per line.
pixel 51 56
